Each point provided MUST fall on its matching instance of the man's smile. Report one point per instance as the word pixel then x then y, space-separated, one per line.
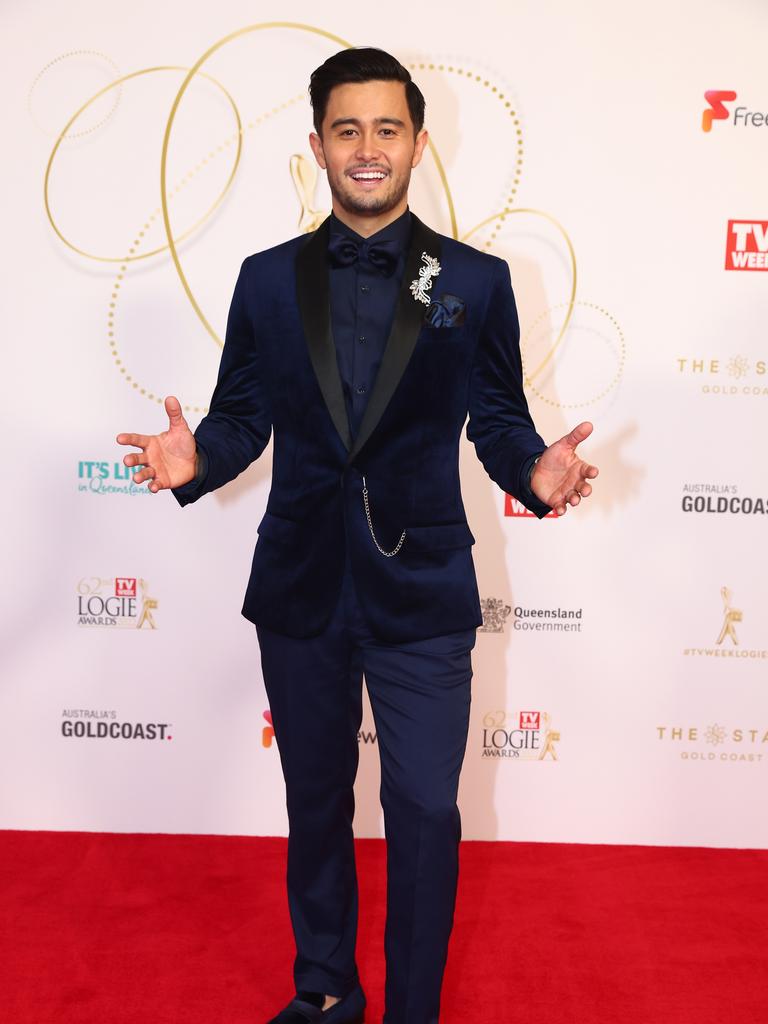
pixel 368 177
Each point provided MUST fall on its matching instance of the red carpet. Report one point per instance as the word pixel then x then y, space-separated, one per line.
pixel 146 929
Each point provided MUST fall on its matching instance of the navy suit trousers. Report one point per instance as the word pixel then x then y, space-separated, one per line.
pixel 420 697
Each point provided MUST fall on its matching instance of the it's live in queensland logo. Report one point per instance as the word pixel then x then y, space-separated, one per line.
pixel 718 109
pixel 97 724
pixel 519 736
pixel 108 477
pixel 122 602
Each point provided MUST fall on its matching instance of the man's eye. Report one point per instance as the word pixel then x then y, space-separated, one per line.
pixel 387 131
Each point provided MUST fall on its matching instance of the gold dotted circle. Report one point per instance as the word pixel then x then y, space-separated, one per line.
pixel 611 384
pixel 508 109
pixel 137 242
pixel 57 60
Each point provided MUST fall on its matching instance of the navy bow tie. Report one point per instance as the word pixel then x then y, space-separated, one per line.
pixel 383 255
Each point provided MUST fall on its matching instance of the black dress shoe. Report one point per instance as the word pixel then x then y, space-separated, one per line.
pixel 349 1010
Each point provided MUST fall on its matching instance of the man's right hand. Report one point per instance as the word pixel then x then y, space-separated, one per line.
pixel 167 459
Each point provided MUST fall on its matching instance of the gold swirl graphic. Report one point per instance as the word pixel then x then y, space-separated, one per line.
pixel 572 257
pixel 304 176
pixel 130 257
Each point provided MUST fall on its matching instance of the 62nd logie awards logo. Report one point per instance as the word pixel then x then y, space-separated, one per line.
pixel 573 348
pixel 116 602
pixel 519 736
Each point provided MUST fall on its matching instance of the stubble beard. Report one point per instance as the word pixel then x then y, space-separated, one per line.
pixel 371 203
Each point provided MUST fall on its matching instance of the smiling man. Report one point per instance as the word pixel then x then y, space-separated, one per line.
pixel 362 348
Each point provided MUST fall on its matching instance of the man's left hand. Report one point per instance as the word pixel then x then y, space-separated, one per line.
pixel 560 478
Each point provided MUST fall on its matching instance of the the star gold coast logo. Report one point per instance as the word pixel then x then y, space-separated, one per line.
pixel 716 743
pixel 115 601
pixel 734 375
pixel 519 736
pixel 727 644
pixel 573 349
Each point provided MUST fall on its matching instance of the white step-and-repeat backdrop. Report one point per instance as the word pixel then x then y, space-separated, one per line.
pixel 617 161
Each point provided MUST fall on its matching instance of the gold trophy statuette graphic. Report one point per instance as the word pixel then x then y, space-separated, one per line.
pixel 551 737
pixel 730 616
pixel 148 605
pixel 304 177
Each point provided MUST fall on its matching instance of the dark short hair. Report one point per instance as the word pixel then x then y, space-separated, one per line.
pixel 362 64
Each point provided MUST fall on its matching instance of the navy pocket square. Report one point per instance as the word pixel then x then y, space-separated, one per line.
pixel 447 311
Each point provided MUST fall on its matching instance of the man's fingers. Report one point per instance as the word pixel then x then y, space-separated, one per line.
pixel 147 473
pixel 134 459
pixel 137 440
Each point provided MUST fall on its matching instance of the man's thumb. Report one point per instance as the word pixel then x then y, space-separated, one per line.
pixel 173 408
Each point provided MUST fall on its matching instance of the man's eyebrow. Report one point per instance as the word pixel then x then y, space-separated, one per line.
pixel 377 120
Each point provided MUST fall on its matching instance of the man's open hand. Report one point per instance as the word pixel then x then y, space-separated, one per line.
pixel 167 459
pixel 560 477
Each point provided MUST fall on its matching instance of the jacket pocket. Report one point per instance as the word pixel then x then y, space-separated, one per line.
pixel 434 538
pixel 282 531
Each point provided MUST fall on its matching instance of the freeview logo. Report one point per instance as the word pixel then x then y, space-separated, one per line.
pixel 718 111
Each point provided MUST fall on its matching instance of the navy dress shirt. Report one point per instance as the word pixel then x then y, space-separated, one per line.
pixel 363 303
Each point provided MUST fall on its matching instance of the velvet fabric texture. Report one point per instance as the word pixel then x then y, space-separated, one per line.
pixel 279 373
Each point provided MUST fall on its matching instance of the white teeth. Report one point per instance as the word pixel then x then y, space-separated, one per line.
pixel 368 176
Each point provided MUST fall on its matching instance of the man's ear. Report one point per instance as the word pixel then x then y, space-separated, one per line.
pixel 418 151
pixel 316 144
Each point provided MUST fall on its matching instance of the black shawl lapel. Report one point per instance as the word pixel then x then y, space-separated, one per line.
pixel 315 308
pixel 402 338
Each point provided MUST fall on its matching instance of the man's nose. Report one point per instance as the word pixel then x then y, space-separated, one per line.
pixel 368 147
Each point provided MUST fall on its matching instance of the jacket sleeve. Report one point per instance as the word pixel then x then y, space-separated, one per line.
pixel 500 425
pixel 237 428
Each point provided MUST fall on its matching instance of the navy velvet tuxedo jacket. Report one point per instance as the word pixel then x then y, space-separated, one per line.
pixel 279 374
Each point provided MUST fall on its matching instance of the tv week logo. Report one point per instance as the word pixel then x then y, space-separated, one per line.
pixel 746 245
pixel 530 719
pixel 125 586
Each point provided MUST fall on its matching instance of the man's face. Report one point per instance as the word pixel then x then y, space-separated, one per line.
pixel 368 147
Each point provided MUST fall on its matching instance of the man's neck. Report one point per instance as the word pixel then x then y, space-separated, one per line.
pixel 367 225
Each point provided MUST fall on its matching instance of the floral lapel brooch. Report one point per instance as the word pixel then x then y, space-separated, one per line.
pixel 421 285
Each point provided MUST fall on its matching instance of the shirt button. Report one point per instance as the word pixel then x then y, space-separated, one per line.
pixel 360 389
pixel 364 288
pixel 361 338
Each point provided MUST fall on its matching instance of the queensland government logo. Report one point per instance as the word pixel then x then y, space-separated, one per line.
pixel 715 743
pixel 546 620
pixel 87 723
pixel 519 736
pixel 716 110
pixel 122 602
pixel 108 477
pixel 727 644
pixel 728 376
pixel 746 245
pixel 721 499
